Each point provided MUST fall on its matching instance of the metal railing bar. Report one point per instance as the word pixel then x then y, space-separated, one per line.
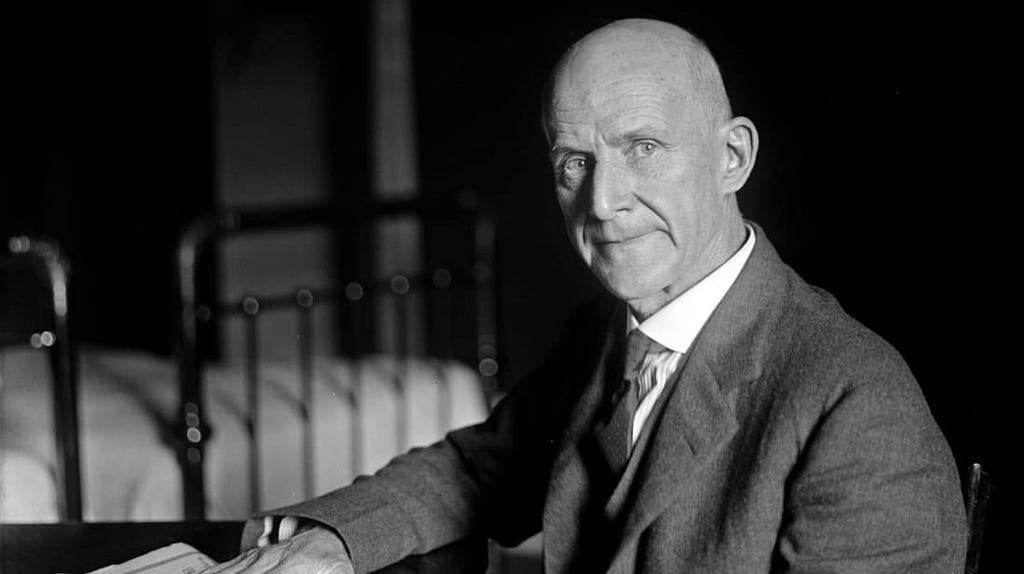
pixel 253 399
pixel 355 421
pixel 45 259
pixel 304 302
pixel 445 320
pixel 400 288
pixel 487 357
pixel 444 397
pixel 192 431
pixel 356 296
pixel 286 301
pixel 270 302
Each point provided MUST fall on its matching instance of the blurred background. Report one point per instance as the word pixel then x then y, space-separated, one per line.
pixel 881 176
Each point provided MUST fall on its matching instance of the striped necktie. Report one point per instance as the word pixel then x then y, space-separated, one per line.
pixel 615 435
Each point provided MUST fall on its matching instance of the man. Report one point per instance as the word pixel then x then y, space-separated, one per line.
pixel 758 429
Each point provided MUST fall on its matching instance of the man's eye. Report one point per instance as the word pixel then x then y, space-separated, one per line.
pixel 575 165
pixel 573 171
pixel 645 149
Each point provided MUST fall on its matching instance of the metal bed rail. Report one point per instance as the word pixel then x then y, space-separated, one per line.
pixel 476 280
pixel 41 260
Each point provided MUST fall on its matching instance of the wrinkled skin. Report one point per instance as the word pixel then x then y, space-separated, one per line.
pixel 644 174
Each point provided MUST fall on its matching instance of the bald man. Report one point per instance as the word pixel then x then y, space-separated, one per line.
pixel 713 414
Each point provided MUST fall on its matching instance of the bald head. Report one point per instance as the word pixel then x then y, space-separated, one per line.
pixel 656 51
pixel 647 159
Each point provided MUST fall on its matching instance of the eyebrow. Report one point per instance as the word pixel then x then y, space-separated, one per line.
pixel 560 149
pixel 643 131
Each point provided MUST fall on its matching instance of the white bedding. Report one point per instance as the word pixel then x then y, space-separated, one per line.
pixel 127 398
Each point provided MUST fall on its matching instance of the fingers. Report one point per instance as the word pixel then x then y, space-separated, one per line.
pixel 286 529
pixel 313 551
pixel 268 530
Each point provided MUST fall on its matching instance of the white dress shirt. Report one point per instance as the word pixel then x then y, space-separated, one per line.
pixel 676 325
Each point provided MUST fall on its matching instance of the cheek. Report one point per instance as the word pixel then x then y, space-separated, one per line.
pixel 678 194
pixel 575 221
pixel 568 201
pixel 669 200
pixel 652 172
pixel 573 210
pixel 664 179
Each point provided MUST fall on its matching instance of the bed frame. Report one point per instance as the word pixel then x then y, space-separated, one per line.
pixel 34 311
pixel 458 223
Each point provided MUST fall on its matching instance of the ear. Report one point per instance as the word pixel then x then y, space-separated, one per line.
pixel 740 153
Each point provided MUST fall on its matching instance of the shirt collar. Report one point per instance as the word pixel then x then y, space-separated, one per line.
pixel 677 324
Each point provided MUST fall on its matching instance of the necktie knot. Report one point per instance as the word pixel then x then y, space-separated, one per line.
pixel 615 434
pixel 638 346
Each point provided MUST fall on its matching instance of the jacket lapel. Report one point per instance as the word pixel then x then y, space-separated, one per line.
pixel 699 417
pixel 696 422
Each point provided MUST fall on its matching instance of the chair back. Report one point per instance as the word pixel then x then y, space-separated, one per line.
pixel 976 500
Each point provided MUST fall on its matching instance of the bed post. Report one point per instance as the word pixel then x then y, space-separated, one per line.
pixel 486 327
pixel 45 258
pixel 191 431
pixel 66 398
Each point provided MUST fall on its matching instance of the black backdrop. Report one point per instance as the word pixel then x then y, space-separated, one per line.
pixel 105 138
pixel 885 162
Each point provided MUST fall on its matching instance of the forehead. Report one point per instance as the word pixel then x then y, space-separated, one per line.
pixel 612 105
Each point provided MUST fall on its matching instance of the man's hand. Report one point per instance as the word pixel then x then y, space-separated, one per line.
pixel 313 551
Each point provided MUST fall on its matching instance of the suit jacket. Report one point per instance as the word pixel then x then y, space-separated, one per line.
pixel 793 440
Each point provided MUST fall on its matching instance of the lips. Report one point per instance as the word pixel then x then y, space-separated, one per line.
pixel 602 239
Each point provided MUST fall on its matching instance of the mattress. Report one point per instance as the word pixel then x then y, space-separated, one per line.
pixel 363 413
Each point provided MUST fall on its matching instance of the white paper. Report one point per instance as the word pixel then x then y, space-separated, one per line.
pixel 177 558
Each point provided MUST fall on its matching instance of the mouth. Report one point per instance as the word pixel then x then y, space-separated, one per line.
pixel 624 239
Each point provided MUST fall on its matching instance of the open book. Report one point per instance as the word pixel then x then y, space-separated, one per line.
pixel 177 558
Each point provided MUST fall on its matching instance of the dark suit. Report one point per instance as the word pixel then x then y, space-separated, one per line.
pixel 793 440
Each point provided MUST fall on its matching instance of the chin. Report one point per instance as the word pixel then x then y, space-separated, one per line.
pixel 632 284
pixel 628 287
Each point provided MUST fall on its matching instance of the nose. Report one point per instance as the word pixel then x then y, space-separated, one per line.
pixel 610 193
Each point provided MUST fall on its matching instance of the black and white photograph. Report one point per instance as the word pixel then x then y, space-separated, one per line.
pixel 507 288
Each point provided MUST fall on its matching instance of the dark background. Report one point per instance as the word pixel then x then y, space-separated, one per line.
pixel 883 173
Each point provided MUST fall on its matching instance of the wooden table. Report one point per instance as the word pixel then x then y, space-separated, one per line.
pixel 78 547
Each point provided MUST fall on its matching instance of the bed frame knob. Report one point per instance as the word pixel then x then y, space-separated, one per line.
pixel 353 291
pixel 251 305
pixel 400 284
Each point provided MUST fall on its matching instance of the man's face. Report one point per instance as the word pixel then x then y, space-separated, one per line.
pixel 637 176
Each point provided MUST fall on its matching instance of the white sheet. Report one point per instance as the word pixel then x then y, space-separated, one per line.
pixel 126 399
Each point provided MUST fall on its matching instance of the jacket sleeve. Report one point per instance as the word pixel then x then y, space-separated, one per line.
pixel 488 479
pixel 876 488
